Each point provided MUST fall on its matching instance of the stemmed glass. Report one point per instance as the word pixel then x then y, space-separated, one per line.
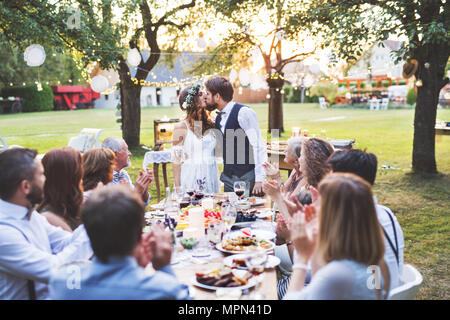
pixel 256 261
pixel 229 217
pixel 239 188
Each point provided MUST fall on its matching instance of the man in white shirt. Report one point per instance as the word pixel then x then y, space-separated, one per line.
pixel 244 151
pixel 30 247
pixel 120 175
pixel 364 164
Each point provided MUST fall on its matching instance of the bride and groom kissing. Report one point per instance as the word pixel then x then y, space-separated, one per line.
pixel 233 135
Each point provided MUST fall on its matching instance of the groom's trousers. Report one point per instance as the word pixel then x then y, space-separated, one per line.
pixel 228 182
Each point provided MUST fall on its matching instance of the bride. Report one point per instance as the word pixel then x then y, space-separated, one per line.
pixel 194 163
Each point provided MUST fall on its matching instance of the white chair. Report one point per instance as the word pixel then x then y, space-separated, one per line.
pixel 374 104
pixel 384 104
pixel 88 139
pixel 4 145
pixel 323 103
pixel 411 279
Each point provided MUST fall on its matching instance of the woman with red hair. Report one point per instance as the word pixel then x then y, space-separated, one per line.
pixel 63 190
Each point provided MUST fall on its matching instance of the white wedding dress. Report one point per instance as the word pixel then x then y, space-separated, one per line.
pixel 199 163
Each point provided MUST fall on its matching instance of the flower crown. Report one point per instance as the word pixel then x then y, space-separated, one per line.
pixel 189 103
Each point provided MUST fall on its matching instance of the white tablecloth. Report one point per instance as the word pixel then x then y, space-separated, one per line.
pixel 157 157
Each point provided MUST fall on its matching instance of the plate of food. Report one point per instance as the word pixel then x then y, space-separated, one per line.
pixel 244 243
pixel 255 201
pixel 262 214
pixel 254 233
pixel 238 261
pixel 154 213
pixel 158 206
pixel 224 278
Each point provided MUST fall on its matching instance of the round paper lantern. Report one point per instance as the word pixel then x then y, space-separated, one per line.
pixel 308 81
pixel 280 34
pixel 201 43
pixel 244 77
pixel 212 44
pixel 34 55
pixel 99 84
pixel 233 76
pixel 134 57
pixel 315 68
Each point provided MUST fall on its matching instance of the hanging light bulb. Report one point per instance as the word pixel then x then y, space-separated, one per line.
pixel 426 65
pixel 419 83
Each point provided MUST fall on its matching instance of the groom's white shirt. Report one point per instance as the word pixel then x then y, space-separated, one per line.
pixel 249 123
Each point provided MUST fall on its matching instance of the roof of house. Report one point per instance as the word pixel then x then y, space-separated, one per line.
pixel 165 71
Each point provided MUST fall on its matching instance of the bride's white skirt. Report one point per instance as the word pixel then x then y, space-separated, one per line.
pixel 193 171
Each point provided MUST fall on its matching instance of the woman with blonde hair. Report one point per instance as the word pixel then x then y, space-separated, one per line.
pixel 347 241
pixel 98 165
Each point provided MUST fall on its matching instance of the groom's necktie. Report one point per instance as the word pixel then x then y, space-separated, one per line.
pixel 219 117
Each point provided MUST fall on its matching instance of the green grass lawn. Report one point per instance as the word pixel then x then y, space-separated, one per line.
pixel 421 203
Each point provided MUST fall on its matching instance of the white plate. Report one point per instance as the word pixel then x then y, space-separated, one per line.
pixel 156 213
pixel 251 283
pixel 260 234
pixel 219 247
pixel 158 206
pixel 272 261
pixel 264 214
pixel 258 202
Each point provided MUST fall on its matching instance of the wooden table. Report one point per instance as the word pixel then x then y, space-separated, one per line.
pixel 442 130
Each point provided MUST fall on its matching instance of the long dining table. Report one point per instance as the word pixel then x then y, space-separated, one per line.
pixel 186 269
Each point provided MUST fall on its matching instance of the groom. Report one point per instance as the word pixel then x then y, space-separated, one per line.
pixel 244 152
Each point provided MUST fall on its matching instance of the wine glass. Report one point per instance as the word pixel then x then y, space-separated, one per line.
pixel 256 261
pixel 229 217
pixel 239 188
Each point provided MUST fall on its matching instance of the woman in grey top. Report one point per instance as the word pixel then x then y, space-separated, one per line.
pixel 343 233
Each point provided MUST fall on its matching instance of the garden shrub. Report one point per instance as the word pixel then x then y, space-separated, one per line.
pixel 324 89
pixel 411 97
pixel 33 100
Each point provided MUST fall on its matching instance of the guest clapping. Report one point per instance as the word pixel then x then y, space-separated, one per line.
pixel 347 242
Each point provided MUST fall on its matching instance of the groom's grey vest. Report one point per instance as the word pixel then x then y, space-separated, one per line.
pixel 237 165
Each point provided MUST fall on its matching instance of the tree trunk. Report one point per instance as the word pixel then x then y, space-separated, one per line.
pixel 131 107
pixel 276 104
pixel 423 158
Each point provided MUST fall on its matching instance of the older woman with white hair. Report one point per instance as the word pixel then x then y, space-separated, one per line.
pixel 292 186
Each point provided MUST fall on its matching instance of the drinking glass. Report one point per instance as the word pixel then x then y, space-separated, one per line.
pixel 229 217
pixel 239 188
pixel 256 261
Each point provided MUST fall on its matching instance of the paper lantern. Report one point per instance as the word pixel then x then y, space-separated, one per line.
pixel 315 68
pixel 280 35
pixel 308 81
pixel 212 44
pixel 244 77
pixel 233 76
pixel 99 84
pixel 201 43
pixel 34 55
pixel 134 57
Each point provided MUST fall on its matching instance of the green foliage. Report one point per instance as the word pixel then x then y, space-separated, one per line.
pixel 287 92
pixel 33 100
pixel 411 97
pixel 386 84
pixel 296 96
pixel 375 84
pixel 324 89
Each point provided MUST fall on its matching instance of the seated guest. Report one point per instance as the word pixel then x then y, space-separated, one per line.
pixel 292 155
pixel 63 191
pixel 98 167
pixel 114 219
pixel 313 161
pixel 347 241
pixel 365 164
pixel 30 246
pixel 120 149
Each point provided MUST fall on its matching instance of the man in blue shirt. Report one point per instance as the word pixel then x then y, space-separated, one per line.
pixel 30 247
pixel 114 218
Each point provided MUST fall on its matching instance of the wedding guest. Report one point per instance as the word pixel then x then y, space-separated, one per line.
pixel 348 242
pixel 114 218
pixel 30 246
pixel 313 161
pixel 364 164
pixel 63 190
pixel 98 165
pixel 122 161
pixel 292 185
